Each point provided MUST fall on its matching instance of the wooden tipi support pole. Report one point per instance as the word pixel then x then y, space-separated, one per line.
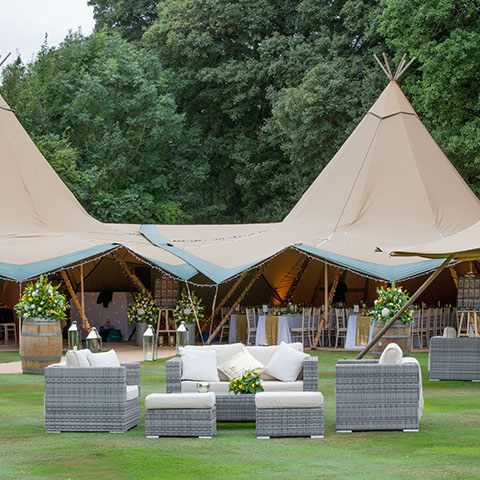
pixel 85 323
pixel 135 280
pixel 410 302
pixel 227 296
pixel 328 301
pixel 296 280
pixel 454 275
pixel 247 288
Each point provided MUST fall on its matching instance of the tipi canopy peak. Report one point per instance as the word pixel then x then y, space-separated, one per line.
pixel 401 68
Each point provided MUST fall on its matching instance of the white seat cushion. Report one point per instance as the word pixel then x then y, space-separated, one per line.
pixel 132 392
pixel 104 359
pixel 181 401
pixel 199 365
pixel 221 388
pixel 286 363
pixel 392 355
pixel 288 400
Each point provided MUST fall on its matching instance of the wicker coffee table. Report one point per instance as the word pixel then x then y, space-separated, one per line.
pixel 235 408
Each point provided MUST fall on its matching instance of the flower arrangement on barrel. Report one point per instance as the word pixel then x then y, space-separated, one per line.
pixel 190 310
pixel 42 307
pixel 248 383
pixel 42 300
pixel 390 300
pixel 143 309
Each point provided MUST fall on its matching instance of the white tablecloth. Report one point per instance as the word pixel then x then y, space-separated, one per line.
pixel 285 323
pixel 352 333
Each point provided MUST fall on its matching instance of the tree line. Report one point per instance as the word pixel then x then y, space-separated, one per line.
pixel 213 111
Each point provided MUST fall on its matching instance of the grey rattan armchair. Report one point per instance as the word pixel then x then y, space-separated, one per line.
pixel 455 358
pixel 94 399
pixel 377 397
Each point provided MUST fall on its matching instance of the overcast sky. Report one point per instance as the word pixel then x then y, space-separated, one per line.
pixel 23 24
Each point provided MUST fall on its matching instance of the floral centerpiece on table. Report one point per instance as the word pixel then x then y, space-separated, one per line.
pixel 189 308
pixel 287 309
pixel 42 300
pixel 390 301
pixel 249 382
pixel 143 309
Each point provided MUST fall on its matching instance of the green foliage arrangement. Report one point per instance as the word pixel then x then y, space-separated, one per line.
pixel 143 309
pixel 389 302
pixel 189 310
pixel 42 300
pixel 249 382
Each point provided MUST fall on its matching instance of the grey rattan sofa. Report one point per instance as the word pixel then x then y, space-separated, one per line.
pixel 455 358
pixel 238 408
pixel 370 396
pixel 92 399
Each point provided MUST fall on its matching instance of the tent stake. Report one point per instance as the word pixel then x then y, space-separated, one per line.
pixel 412 299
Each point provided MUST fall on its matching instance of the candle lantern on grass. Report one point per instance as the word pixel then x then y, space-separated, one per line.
pixel 94 341
pixel 73 337
pixel 149 345
pixel 182 336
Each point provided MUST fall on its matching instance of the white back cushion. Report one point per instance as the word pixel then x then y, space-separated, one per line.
pixel 104 359
pixel 199 365
pixel 77 358
pixel 264 354
pixel 286 363
pixel 391 355
pixel 240 363
pixel 449 332
pixel 224 353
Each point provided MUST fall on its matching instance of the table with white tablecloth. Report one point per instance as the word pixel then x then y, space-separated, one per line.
pixel 285 323
pixel 351 338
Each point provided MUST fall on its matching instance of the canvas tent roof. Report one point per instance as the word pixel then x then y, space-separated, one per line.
pixel 463 245
pixel 43 227
pixel 389 183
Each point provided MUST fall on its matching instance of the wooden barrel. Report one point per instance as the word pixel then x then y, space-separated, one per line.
pixel 398 333
pixel 41 344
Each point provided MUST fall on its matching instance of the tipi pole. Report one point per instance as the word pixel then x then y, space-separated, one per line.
pixel 296 280
pixel 412 299
pixel 135 280
pixel 66 279
pixel 237 302
pixel 227 296
pixel 82 288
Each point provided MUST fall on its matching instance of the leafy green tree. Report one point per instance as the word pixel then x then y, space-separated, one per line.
pixel 130 18
pixel 101 113
pixel 246 76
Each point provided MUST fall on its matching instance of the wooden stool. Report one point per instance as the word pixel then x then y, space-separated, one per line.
pixel 8 328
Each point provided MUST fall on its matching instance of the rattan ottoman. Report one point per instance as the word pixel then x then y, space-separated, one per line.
pixel 289 414
pixel 180 415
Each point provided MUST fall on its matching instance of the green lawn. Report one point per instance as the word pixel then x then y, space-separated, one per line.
pixel 447 446
pixel 9 357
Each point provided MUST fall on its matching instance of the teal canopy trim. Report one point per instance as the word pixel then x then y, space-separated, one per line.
pixel 23 272
pixel 390 273
pixel 214 272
